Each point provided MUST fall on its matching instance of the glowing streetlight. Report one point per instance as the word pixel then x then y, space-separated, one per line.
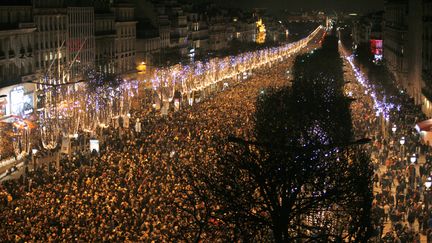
pixel 394 128
pixel 428 183
pixel 402 141
pixel 413 158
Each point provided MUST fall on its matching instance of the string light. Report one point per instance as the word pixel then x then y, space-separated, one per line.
pixel 380 104
pixel 69 108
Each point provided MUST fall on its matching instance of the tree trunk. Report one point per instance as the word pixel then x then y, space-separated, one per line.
pixel 280 229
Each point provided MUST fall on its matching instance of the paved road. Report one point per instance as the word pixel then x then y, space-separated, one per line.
pixel 381 169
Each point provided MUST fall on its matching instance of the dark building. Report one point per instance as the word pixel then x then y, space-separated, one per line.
pixel 396 38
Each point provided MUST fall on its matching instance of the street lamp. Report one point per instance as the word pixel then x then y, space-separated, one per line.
pixel 426 196
pixel 34 151
pixel 428 183
pixel 413 158
pixel 394 128
pixel 402 141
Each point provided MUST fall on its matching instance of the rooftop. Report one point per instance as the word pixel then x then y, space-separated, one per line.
pixel 15 3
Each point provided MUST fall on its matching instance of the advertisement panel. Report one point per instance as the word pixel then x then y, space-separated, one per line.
pixel 377 50
pixel 65 147
pixel 21 103
pixel 94 145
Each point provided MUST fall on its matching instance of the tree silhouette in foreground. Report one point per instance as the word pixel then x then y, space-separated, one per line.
pixel 303 179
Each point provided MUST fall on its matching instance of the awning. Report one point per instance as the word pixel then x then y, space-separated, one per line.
pixel 18 121
pixel 9 119
pixel 424 126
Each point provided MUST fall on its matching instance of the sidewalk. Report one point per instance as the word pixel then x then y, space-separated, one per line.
pixel 377 189
pixel 14 175
pixel 350 75
pixel 9 163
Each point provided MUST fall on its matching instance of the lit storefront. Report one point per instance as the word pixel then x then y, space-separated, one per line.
pixel 17 100
pixel 16 110
pixel 3 104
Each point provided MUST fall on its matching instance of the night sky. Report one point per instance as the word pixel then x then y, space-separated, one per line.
pixel 346 5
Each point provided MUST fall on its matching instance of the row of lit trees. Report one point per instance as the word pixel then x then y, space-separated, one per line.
pixel 304 178
pixel 69 108
pixel 198 76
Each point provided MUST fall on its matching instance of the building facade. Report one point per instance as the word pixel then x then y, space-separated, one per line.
pixel 245 29
pixel 148 44
pixel 414 52
pixel 179 29
pixel 426 57
pixel 80 41
pixel 105 35
pixel 51 36
pixel 125 27
pixel 219 33
pixel 395 39
pixel 17 66
pixel 198 34
pixel 408 47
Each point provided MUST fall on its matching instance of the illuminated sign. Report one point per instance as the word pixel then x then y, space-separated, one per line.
pixel 260 39
pixel 94 145
pixel 376 50
pixel 65 147
pixel 21 103
pixel 176 104
pixel 376 47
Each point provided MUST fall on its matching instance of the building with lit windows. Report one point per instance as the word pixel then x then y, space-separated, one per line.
pixel 80 40
pixel 51 36
pixel 245 29
pixel 105 35
pixel 198 34
pixel 219 32
pixel 125 27
pixel 17 64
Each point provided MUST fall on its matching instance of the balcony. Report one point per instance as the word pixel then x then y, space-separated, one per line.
pixel 29 51
pixel 22 52
pixel 28 25
pixel 8 81
pixel 105 33
pixel 11 53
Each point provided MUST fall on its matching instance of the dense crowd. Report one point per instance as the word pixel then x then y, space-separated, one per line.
pixel 129 191
pixel 401 207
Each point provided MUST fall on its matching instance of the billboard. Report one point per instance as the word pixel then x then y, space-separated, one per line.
pixel 21 102
pixel 376 49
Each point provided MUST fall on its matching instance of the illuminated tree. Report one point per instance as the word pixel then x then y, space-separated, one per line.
pixel 102 94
